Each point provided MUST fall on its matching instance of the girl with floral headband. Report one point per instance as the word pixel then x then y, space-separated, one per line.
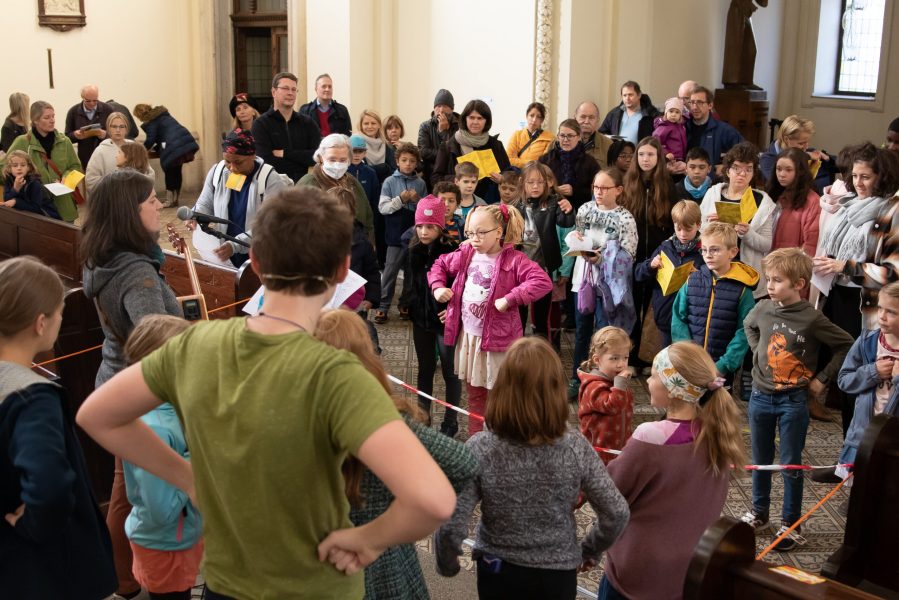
pixel 674 474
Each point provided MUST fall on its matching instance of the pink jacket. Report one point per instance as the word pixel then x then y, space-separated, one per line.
pixel 799 228
pixel 518 279
pixel 672 136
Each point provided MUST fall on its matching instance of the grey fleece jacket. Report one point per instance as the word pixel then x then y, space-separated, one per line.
pixel 126 288
pixel 528 495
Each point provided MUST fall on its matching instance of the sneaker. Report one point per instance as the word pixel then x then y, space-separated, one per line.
pixel 574 386
pixel 825 475
pixel 449 428
pixel 757 521
pixel 791 541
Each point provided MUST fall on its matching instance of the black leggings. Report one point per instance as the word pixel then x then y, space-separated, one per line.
pixel 546 316
pixel 843 308
pixel 525 583
pixel 173 177
pixel 428 345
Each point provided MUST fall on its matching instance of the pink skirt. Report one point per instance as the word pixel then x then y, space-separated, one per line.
pixel 162 571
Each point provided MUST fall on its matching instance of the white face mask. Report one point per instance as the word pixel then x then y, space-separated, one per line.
pixel 334 170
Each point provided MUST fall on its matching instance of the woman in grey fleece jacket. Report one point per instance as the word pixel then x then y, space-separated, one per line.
pixel 532 470
pixel 121 274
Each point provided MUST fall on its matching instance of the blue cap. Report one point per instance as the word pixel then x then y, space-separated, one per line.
pixel 357 143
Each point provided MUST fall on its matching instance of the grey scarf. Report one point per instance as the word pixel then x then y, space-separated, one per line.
pixel 847 238
pixel 469 141
pixel 376 149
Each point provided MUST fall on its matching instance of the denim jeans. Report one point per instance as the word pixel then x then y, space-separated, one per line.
pixel 787 413
pixel 607 592
pixel 584 326
pixel 395 259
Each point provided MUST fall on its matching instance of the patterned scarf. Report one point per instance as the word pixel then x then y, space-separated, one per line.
pixel 684 249
pixel 568 160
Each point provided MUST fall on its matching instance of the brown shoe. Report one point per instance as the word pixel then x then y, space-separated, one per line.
pixel 817 411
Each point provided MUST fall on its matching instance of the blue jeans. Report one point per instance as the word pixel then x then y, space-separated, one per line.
pixel 607 592
pixel 787 413
pixel 584 326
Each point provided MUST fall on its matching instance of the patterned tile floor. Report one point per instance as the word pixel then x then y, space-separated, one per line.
pixel 824 531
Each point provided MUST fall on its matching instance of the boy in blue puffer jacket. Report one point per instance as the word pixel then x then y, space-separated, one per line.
pixel 399 196
pixel 164 527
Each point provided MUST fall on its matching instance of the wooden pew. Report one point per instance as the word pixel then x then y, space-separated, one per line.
pixel 869 556
pixel 54 242
pixel 724 566
pixel 220 285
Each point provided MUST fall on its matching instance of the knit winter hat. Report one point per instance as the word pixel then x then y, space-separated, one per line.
pixel 674 103
pixel 239 142
pixel 444 97
pixel 238 99
pixel 357 142
pixel 430 211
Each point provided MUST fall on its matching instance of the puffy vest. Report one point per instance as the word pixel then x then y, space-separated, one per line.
pixel 713 310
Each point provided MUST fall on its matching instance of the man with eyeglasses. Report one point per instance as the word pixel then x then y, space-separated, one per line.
pixel 330 115
pixel 85 122
pixel 285 139
pixel 632 119
pixel 713 136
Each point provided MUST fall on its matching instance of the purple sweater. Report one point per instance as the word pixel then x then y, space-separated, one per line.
pixel 673 498
pixel 673 137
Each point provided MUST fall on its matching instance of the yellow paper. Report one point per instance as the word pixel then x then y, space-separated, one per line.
pixel 747 206
pixel 798 575
pixel 72 179
pixel 672 278
pixel 728 212
pixel 235 182
pixel 483 160
pixel 813 166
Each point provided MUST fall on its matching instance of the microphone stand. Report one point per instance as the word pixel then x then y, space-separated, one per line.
pixel 222 236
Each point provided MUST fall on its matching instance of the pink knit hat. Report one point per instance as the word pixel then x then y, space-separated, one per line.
pixel 674 103
pixel 431 211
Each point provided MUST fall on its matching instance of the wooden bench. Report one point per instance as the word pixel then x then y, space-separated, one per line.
pixel 869 556
pixel 54 242
pixel 724 566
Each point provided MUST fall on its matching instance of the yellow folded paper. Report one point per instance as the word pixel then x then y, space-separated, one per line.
pixel 72 179
pixel 733 213
pixel 235 181
pixel 483 160
pixel 748 207
pixel 672 278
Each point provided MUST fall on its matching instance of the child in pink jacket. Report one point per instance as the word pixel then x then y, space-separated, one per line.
pixel 491 279
pixel 672 134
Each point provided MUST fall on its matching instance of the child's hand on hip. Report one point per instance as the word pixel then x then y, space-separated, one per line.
pixel 443 294
pixel 502 305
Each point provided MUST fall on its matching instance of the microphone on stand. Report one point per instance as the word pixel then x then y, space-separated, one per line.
pixel 186 214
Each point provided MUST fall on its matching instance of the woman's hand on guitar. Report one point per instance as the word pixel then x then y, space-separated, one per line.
pixel 224 251
pixel 191 224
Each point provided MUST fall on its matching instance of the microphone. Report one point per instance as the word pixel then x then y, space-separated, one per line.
pixel 186 214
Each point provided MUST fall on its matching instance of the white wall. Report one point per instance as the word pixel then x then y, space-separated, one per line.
pixel 133 52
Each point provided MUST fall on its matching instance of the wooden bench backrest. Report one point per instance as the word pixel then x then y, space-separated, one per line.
pixel 54 242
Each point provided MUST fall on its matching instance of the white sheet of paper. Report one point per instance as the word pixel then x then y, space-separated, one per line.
pixel 58 189
pixel 823 282
pixel 344 290
pixel 206 245
pixel 254 305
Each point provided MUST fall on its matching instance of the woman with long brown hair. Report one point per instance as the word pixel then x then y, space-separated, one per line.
pixel 649 196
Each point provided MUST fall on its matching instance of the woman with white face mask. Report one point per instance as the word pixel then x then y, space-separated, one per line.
pixel 331 162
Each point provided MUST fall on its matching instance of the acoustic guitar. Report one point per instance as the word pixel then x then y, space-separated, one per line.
pixel 193 306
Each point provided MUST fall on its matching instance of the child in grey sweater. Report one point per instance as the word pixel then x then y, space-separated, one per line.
pixel 532 468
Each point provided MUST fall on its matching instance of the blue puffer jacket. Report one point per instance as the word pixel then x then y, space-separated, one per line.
pixel 162 517
pixel 368 179
pixel 399 216
pixel 171 137
pixel 710 312
pixel 718 138
pixel 859 376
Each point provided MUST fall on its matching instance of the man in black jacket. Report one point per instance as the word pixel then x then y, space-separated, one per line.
pixel 284 138
pixel 632 119
pixel 435 131
pixel 328 114
pixel 90 111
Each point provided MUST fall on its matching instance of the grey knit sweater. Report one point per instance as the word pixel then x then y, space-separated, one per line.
pixel 528 495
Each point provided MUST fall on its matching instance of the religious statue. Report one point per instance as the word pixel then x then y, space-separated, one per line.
pixel 739 45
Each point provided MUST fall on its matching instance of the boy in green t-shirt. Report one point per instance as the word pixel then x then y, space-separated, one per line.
pixel 270 415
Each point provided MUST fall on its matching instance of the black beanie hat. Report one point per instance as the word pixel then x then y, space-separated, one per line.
pixel 240 98
pixel 444 97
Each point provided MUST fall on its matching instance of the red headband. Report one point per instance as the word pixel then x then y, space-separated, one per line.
pixel 505 210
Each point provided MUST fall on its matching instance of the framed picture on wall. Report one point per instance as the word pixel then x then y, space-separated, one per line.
pixel 61 15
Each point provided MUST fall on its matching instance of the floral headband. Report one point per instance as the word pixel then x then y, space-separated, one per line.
pixel 677 385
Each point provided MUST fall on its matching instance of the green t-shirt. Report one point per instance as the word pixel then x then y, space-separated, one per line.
pixel 269 420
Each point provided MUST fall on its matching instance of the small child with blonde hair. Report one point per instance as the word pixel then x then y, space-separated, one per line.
pixel 164 527
pixel 23 189
pixel 605 404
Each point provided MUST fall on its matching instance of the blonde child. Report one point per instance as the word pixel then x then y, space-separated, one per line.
pixel 164 527
pixel 674 474
pixel 396 574
pixel 133 156
pixel 491 277
pixel 599 222
pixel 23 189
pixel 54 541
pixel 532 469
pixel 605 404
